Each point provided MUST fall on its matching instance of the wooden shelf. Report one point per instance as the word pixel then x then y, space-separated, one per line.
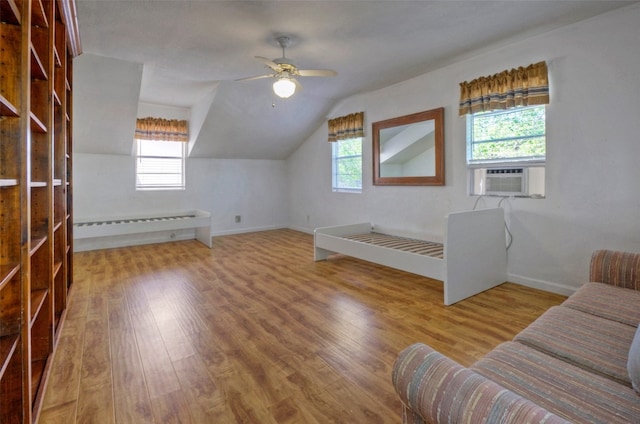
pixel 38 14
pixel 7 271
pixel 37 240
pixel 56 56
pixel 38 298
pixel 36 124
pixel 36 142
pixel 37 372
pixel 56 99
pixel 10 12
pixel 8 182
pixel 13 218
pixel 56 268
pixel 8 345
pixel 7 108
pixel 37 68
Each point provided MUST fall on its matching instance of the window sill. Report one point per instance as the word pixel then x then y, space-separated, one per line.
pixel 344 190
pixel 504 196
pixel 160 188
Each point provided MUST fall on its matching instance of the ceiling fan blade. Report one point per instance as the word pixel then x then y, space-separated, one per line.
pixel 317 73
pixel 256 77
pixel 270 63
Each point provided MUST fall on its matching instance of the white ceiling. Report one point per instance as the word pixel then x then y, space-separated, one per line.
pixel 193 49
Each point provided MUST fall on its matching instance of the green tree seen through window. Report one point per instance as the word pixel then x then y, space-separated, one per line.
pixel 347 165
pixel 507 135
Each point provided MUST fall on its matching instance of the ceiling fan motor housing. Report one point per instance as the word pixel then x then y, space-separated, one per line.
pixel 286 65
pixel 284 41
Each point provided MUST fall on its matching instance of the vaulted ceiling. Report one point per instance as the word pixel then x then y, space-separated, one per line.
pixel 191 53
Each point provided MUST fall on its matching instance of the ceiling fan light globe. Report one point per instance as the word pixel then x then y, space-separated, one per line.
pixel 284 88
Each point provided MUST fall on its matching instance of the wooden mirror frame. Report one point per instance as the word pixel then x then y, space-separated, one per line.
pixel 438 179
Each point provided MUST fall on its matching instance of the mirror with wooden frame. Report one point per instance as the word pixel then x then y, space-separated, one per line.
pixel 409 150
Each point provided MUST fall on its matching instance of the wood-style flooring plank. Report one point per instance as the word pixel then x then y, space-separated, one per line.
pixel 63 413
pixel 65 374
pixel 158 370
pixel 131 398
pixel 95 397
pixel 254 331
pixel 171 408
pixel 95 405
pixel 199 388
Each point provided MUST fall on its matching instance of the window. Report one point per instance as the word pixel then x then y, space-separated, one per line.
pixel 347 165
pixel 506 136
pixel 506 152
pixel 160 165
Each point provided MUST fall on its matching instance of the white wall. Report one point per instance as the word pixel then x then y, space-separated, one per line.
pixel 106 99
pixel 105 102
pixel 104 187
pixel 593 149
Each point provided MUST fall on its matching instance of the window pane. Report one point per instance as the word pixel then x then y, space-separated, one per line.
pixel 349 173
pixel 509 124
pixel 514 134
pixel 156 180
pixel 525 148
pixel 347 164
pixel 160 148
pixel 349 147
pixel 160 165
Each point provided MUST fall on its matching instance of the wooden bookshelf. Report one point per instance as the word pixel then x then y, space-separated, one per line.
pixel 38 40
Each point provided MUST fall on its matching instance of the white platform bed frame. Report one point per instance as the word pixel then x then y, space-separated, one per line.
pixel 474 260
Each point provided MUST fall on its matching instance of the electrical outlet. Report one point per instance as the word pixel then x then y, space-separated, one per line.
pixel 238 218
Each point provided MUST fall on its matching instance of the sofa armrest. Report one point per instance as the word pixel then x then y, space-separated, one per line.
pixel 435 389
pixel 621 269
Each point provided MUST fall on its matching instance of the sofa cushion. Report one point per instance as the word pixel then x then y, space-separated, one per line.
pixel 596 344
pixel 607 301
pixel 436 389
pixel 562 388
pixel 633 365
pixel 616 268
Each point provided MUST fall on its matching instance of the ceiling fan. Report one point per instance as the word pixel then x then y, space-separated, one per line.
pixel 285 71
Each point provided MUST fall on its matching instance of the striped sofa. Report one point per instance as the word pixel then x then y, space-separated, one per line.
pixel 579 362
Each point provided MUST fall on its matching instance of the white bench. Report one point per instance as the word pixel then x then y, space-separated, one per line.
pixel 198 220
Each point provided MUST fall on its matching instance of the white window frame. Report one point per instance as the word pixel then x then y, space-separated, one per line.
pixel 335 177
pixel 520 161
pixel 169 183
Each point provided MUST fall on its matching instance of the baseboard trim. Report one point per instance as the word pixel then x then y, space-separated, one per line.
pixel 301 229
pixel 549 286
pixel 246 230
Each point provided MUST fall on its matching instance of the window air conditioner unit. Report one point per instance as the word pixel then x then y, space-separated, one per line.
pixel 506 181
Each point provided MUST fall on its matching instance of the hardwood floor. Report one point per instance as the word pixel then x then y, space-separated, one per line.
pixel 255 331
